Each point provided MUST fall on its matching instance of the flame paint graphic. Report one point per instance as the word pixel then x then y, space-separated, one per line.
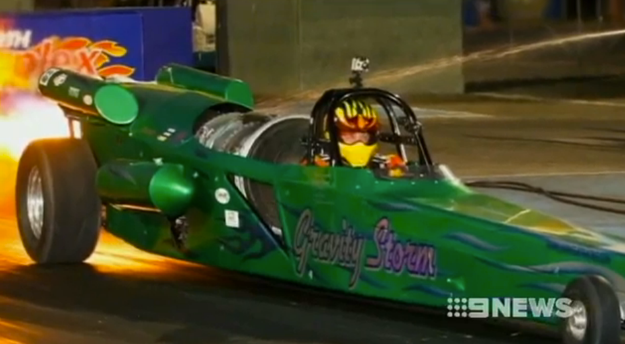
pixel 74 43
pixel 110 47
pixel 78 53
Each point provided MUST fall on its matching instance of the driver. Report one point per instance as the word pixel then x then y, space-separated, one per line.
pixel 358 125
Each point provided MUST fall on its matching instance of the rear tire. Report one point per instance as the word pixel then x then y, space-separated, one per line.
pixel 57 203
pixel 596 315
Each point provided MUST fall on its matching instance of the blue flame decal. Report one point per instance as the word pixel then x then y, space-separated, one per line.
pixel 430 290
pixel 556 288
pixel 474 242
pixel 395 206
pixel 564 268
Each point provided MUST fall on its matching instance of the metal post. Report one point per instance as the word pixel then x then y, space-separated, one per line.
pixel 599 10
pixel 615 10
pixel 580 22
pixel 580 29
pixel 222 46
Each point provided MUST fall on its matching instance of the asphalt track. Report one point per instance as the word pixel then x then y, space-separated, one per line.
pixel 125 296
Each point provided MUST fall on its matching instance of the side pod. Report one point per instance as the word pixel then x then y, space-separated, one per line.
pixel 166 188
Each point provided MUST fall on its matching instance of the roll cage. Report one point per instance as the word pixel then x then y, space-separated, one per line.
pixel 322 116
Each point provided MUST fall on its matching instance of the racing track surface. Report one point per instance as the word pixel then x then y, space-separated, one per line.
pixel 125 296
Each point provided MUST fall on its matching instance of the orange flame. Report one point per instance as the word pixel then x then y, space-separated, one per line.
pixel 27 118
pixel 24 115
pixel 23 119
pixel 21 69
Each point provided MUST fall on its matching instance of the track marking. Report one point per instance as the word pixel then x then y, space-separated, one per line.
pixel 304 108
pixel 541 99
pixel 606 142
pixel 436 113
pixel 439 113
pixel 548 174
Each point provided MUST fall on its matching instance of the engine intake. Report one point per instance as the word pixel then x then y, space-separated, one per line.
pixel 256 136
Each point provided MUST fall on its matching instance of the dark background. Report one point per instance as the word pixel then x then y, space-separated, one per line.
pixel 287 47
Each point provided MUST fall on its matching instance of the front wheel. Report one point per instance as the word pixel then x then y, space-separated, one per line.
pixel 595 316
pixel 57 204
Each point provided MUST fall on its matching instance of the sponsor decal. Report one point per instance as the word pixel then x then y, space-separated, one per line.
pixel 346 249
pixel 60 80
pixel 45 77
pixel 222 196
pixel 80 54
pixel 232 218
pixel 15 39
pixel 74 92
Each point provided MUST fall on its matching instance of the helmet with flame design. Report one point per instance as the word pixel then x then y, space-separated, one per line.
pixel 357 126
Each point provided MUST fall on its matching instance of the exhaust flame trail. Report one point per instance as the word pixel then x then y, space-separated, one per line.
pixel 481 56
pixel 24 117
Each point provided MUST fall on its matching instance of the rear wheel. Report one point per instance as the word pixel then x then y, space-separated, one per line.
pixel 595 312
pixel 57 204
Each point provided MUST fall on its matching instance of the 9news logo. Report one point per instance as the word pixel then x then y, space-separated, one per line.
pixel 509 307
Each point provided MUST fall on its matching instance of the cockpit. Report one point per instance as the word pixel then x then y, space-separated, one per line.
pixel 298 139
pixel 399 134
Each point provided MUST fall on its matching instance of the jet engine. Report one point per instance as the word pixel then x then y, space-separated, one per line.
pixel 270 138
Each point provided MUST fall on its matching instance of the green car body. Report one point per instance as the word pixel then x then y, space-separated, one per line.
pixel 410 240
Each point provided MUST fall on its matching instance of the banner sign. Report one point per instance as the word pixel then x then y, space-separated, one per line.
pixel 130 43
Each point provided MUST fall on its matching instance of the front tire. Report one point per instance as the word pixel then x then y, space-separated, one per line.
pixel 596 317
pixel 57 203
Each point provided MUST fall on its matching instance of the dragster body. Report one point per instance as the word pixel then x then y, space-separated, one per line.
pixel 185 168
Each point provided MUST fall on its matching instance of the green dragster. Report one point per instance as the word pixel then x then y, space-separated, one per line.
pixel 183 167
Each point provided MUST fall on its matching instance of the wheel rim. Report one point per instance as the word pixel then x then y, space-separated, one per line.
pixel 34 202
pixel 578 321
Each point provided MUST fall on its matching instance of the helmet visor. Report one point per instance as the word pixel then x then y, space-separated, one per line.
pixel 350 137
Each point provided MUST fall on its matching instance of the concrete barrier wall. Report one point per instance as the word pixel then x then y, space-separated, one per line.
pixel 262 42
pixel 288 46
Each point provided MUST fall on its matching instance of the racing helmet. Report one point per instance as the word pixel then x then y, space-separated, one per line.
pixel 357 124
